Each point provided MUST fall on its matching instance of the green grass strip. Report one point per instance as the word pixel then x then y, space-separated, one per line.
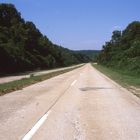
pixel 119 76
pixel 19 84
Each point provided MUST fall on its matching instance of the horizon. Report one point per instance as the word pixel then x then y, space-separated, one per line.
pixel 84 26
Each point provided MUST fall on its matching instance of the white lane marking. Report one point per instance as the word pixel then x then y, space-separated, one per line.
pixel 29 135
pixel 73 82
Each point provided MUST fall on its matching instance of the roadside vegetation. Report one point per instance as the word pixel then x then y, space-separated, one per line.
pixel 122 52
pixel 122 77
pixel 120 57
pixel 131 82
pixel 24 48
pixel 20 84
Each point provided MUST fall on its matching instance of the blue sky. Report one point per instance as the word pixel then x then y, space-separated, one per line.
pixel 78 24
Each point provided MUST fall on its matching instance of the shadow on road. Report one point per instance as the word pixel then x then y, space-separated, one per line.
pixel 94 88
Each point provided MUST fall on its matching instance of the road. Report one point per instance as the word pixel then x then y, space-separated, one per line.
pixel 82 104
pixel 7 79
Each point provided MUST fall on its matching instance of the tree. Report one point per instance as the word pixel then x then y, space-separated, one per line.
pixel 23 47
pixel 123 50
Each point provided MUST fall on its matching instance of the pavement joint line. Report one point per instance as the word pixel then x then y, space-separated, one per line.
pixel 73 82
pixel 34 129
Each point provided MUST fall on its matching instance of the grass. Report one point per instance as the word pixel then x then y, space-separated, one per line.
pixel 19 84
pixel 123 78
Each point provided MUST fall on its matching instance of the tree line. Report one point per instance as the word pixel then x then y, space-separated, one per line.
pixel 92 54
pixel 23 47
pixel 123 50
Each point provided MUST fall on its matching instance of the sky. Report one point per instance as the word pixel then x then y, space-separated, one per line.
pixel 79 24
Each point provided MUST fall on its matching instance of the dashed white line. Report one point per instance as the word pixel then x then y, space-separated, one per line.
pixel 34 129
pixel 29 135
pixel 73 82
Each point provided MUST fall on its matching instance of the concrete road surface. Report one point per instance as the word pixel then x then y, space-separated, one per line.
pixel 79 105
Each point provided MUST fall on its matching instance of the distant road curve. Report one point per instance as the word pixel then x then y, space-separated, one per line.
pixel 18 77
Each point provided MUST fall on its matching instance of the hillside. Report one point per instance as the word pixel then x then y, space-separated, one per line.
pixel 90 53
pixel 23 47
pixel 123 50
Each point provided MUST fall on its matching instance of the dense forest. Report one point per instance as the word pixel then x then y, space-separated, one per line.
pixel 123 50
pixel 23 47
pixel 92 54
